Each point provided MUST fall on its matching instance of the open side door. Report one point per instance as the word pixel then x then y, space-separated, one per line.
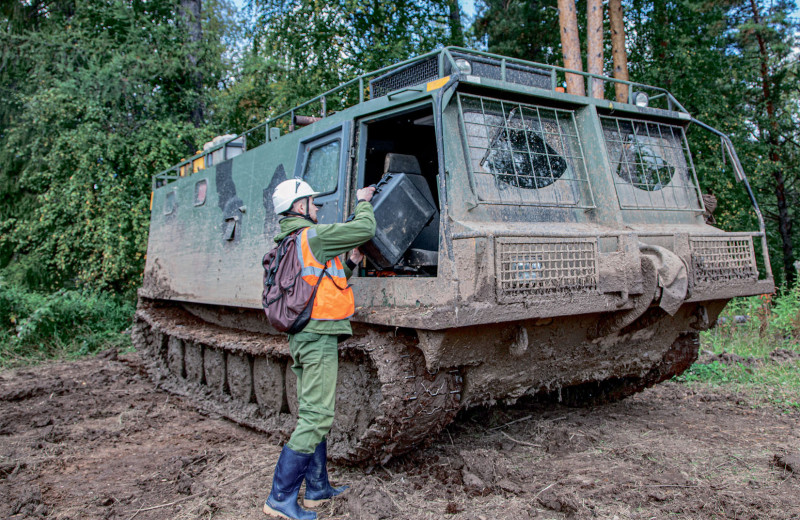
pixel 322 162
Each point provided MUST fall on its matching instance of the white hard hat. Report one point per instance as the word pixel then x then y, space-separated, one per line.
pixel 289 191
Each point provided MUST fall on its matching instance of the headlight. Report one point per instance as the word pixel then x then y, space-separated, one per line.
pixel 640 99
pixel 527 270
pixel 464 66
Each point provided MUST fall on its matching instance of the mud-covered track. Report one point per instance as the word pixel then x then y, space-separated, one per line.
pixel 680 356
pixel 387 402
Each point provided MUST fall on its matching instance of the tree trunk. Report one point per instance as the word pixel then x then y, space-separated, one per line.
pixel 594 45
pixel 454 19
pixel 570 45
pixel 784 221
pixel 190 11
pixel 618 52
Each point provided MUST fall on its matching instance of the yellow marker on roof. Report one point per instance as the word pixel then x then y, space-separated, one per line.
pixel 438 83
pixel 151 201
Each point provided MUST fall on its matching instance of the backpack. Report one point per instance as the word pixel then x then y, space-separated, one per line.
pixel 287 298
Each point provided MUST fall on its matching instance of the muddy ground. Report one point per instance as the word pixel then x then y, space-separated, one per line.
pixel 94 439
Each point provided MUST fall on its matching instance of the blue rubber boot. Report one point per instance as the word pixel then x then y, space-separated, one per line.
pixel 318 487
pixel 289 474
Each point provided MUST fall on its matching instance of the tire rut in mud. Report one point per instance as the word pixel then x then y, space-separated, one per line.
pixel 387 401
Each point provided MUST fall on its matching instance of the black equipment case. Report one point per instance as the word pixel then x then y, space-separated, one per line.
pixel 401 211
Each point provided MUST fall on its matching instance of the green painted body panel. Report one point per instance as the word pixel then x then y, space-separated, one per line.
pixel 191 259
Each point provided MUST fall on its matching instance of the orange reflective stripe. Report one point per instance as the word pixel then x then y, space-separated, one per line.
pixel 334 299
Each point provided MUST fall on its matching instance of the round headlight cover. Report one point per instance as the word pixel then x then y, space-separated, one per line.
pixel 641 99
pixel 464 66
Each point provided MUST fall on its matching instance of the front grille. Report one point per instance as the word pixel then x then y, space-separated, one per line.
pixel 720 259
pixel 545 267
pixel 413 74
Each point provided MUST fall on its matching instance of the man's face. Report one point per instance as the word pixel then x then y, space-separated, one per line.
pixel 312 209
pixel 301 205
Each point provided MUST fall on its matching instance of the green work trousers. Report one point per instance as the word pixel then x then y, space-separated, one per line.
pixel 316 365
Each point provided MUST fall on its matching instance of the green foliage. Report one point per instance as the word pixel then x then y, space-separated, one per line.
pixel 771 323
pixel 67 323
pixel 714 371
pixel 101 97
pixel 304 48
pixel 785 315
pixel 520 29
pixel 772 383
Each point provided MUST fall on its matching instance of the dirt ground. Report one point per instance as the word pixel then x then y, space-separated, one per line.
pixel 94 439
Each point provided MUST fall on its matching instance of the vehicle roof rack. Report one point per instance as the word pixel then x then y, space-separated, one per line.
pixel 434 65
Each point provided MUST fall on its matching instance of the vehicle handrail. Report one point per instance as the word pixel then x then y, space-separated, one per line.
pixel 728 148
pixel 445 53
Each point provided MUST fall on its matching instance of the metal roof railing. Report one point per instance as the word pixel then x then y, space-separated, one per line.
pixel 271 130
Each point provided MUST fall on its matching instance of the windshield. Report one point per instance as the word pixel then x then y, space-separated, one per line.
pixel 651 164
pixel 537 169
pixel 524 154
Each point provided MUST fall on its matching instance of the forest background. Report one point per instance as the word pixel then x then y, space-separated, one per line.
pixel 97 96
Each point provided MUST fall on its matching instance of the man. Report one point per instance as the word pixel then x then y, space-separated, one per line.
pixel 314 349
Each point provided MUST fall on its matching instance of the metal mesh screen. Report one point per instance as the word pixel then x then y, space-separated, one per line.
pixel 545 267
pixel 652 165
pixel 524 154
pixel 412 74
pixel 515 73
pixel 719 259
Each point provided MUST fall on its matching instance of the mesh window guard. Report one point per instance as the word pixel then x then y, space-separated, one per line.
pixel 651 164
pixel 524 154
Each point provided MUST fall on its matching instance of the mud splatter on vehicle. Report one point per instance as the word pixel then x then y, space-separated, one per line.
pixel 568 251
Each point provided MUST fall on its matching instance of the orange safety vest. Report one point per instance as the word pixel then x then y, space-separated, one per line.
pixel 334 299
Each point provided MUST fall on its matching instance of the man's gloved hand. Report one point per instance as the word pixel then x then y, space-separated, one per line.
pixel 365 193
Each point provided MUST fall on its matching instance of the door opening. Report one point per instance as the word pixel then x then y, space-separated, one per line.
pixel 406 144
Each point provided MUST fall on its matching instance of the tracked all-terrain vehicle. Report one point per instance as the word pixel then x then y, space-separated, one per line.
pixel 568 250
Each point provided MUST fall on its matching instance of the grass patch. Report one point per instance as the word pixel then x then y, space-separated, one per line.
pixel 769 323
pixel 67 324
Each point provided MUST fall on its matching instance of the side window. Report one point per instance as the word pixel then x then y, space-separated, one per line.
pixel 200 190
pixel 169 203
pixel 322 162
pixel 321 169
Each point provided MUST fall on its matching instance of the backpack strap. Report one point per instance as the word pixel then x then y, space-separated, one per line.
pixel 272 271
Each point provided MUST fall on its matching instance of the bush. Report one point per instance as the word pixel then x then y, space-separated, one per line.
pixel 764 323
pixel 68 323
pixel 785 314
pixel 771 321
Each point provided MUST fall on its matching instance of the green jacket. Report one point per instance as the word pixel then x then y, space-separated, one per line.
pixel 333 240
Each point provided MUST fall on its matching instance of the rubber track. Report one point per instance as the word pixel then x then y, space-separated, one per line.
pixel 415 405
